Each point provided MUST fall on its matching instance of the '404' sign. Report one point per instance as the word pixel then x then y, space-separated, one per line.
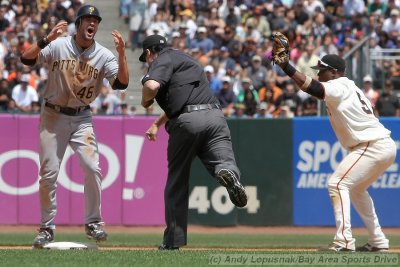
pixel 219 200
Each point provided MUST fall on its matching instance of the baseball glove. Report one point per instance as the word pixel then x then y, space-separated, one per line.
pixel 280 49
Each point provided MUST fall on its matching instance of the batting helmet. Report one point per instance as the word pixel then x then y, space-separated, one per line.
pixel 87 10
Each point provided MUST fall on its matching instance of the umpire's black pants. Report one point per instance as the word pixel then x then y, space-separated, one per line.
pixel 205 134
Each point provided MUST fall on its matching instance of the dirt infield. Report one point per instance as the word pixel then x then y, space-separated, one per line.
pixel 197 229
pixel 200 229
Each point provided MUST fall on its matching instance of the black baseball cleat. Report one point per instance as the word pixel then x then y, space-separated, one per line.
pixel 95 231
pixel 237 194
pixel 44 237
pixel 335 248
pixel 368 248
pixel 166 247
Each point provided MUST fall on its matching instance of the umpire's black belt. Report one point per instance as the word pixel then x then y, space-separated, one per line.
pixel 191 108
pixel 67 110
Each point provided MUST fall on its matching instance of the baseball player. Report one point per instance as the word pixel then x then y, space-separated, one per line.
pixel 196 127
pixel 77 66
pixel 371 149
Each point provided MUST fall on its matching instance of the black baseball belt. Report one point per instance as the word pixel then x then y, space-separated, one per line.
pixel 191 108
pixel 67 110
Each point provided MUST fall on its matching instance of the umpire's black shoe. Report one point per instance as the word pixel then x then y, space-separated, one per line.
pixel 368 248
pixel 166 247
pixel 237 194
pixel 44 237
pixel 95 231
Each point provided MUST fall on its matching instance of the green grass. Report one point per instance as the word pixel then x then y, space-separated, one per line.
pixel 151 257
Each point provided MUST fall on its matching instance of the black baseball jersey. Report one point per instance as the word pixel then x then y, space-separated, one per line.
pixel 182 82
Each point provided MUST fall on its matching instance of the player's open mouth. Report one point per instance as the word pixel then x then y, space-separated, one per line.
pixel 90 31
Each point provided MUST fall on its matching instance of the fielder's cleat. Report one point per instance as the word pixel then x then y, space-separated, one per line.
pixel 95 231
pixel 368 248
pixel 335 248
pixel 166 247
pixel 237 194
pixel 45 236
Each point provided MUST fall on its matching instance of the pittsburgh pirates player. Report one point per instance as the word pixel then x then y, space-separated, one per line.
pixel 77 66
pixel 371 150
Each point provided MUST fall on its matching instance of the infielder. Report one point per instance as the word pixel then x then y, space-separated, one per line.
pixel 77 66
pixel 371 149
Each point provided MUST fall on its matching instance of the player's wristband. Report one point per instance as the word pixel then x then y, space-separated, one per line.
pixel 42 43
pixel 289 70
pixel 306 83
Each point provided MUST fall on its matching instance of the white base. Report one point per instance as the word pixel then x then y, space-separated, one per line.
pixel 69 245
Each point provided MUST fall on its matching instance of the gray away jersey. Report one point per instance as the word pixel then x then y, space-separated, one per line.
pixel 76 77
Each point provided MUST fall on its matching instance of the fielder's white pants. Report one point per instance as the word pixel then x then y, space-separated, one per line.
pixel 349 183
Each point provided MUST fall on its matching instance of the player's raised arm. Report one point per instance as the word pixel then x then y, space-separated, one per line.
pixel 280 55
pixel 122 80
pixel 30 54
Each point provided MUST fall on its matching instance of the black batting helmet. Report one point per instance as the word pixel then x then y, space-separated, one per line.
pixel 87 10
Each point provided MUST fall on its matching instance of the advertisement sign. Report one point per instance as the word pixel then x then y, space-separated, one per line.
pixel 316 154
pixel 133 168
pixel 264 159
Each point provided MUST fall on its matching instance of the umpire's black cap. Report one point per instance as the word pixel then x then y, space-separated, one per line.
pixel 331 61
pixel 150 41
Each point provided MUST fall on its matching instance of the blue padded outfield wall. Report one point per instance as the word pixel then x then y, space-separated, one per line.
pixel 316 153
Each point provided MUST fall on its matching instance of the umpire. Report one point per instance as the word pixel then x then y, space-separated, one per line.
pixel 196 127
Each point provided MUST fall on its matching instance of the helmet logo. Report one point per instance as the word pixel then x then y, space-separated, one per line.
pixel 91 10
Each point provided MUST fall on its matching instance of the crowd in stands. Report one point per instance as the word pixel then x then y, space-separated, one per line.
pixel 231 39
pixel 22 22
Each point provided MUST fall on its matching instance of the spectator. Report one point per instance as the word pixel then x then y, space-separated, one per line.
pixel 215 83
pixel 184 38
pixel 368 90
pixel 4 22
pixel 5 95
pixel 125 111
pixel 262 112
pixel 319 27
pixel 187 19
pixel 24 94
pixel 248 96
pixel 200 56
pixel 137 22
pixel 315 6
pixel 216 21
pixel 226 65
pixel 232 19
pixel 376 7
pixel 260 23
pixel 307 60
pixel 239 111
pixel 352 7
pixel 392 25
pixel 310 107
pixel 159 25
pixel 257 73
pixel 226 97
pixel 327 46
pixel 106 103
pixel 202 41
pixel 291 100
pixel 278 22
pixel 22 43
pixel 388 103
pixel 252 33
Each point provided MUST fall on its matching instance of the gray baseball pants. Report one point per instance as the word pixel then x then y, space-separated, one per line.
pixel 57 131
